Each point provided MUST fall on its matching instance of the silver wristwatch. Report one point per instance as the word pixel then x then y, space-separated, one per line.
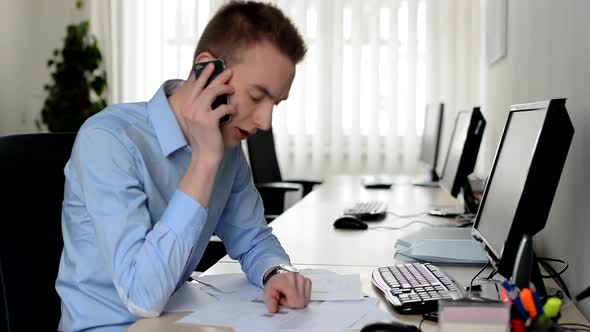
pixel 283 268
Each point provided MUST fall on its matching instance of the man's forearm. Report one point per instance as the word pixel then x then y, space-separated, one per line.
pixel 199 179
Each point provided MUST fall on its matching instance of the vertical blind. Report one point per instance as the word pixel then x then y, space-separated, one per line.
pixel 357 103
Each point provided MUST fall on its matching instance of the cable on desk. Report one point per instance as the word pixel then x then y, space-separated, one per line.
pixel 575 326
pixel 406 225
pixel 583 294
pixel 554 274
pixel 420 324
pixel 492 274
pixel 412 215
pixel 418 222
pixel 475 276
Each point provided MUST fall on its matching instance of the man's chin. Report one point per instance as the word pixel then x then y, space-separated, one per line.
pixel 231 143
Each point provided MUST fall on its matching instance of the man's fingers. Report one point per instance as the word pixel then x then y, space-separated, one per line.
pixel 301 291
pixel 290 290
pixel 271 300
pixel 222 78
pixel 223 110
pixel 294 292
pixel 307 291
pixel 212 92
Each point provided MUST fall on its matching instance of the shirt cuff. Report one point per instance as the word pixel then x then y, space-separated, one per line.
pixel 185 216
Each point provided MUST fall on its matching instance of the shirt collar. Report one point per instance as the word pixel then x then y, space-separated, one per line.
pixel 164 121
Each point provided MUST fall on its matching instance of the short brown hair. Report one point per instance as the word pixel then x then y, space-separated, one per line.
pixel 239 24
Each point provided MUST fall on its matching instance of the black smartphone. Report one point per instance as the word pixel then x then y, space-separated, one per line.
pixel 219 67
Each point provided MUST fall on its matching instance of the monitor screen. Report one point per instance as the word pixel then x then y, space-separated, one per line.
pixel 525 174
pixel 431 137
pixel 512 164
pixel 463 150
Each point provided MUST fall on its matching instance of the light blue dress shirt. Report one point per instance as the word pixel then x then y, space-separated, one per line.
pixel 131 238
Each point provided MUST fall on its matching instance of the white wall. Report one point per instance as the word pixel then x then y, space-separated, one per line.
pixel 549 57
pixel 31 29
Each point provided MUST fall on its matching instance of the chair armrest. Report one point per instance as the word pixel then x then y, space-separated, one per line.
pixel 278 186
pixel 270 217
pixel 307 185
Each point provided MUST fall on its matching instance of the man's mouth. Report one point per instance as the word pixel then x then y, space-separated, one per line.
pixel 244 134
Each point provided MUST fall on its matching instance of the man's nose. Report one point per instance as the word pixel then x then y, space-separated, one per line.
pixel 264 117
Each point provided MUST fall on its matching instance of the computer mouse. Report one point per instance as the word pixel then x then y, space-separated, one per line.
pixel 350 222
pixel 389 327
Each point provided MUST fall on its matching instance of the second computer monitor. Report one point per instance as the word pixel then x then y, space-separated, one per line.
pixel 463 150
pixel 431 138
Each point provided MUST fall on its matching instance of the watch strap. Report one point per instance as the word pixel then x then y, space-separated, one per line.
pixel 277 270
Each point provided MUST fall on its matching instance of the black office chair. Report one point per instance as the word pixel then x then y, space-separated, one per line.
pixel 267 174
pixel 31 196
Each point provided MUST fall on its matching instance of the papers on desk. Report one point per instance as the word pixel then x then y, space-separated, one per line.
pixel 253 316
pixel 190 297
pixel 230 300
pixel 331 286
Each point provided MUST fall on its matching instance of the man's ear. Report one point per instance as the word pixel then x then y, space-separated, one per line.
pixel 201 57
pixel 204 56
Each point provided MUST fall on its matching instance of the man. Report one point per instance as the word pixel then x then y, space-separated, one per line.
pixel 148 183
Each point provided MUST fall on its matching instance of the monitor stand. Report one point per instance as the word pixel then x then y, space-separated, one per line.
pixel 522 265
pixel 469 206
pixel 431 181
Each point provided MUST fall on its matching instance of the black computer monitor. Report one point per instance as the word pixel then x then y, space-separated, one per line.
pixel 461 157
pixel 522 182
pixel 433 119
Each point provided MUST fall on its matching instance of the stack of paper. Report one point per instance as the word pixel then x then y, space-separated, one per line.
pixel 230 300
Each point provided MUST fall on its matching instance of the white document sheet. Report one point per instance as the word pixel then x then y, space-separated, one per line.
pixel 253 316
pixel 330 286
pixel 190 297
pixel 234 286
pixel 326 285
pixel 226 283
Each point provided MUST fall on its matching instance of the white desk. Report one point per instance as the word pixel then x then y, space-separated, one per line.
pixel 307 234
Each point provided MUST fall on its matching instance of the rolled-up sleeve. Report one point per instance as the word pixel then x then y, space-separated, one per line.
pixel 243 229
pixel 146 257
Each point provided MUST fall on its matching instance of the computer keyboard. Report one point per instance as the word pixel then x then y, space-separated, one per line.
pixel 415 288
pixel 368 210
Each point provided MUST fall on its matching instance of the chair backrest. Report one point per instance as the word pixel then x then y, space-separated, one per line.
pixel 31 196
pixel 263 157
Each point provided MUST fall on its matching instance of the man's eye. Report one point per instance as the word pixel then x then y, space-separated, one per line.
pixel 256 99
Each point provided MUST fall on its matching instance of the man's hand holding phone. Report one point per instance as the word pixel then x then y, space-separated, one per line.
pixel 219 68
pixel 202 131
pixel 201 120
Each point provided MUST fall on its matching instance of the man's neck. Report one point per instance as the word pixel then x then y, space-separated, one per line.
pixel 177 99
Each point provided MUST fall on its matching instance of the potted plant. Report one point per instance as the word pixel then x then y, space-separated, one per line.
pixel 78 87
